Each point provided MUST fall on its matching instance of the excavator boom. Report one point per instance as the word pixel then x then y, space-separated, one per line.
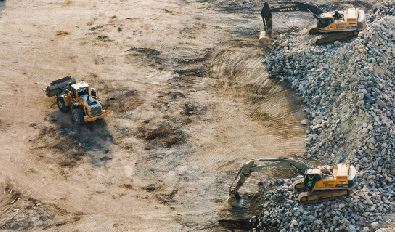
pixel 260 165
pixel 297 6
pixel 282 7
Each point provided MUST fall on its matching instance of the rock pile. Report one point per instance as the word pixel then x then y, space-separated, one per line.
pixel 349 91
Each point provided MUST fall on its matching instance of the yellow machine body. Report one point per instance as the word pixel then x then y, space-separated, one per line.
pixel 73 98
pixel 326 183
pixel 336 176
pixel 352 19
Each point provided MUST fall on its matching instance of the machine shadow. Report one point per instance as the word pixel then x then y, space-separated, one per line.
pixel 93 139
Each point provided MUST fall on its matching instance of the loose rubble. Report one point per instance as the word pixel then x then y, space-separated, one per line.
pixel 348 89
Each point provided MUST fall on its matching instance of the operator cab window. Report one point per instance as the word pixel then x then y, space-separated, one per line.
pixel 83 91
pixel 324 22
pixel 310 180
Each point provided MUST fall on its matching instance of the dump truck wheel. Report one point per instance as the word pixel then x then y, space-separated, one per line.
pixel 61 104
pixel 78 115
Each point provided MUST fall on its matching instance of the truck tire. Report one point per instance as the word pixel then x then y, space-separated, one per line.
pixel 61 104
pixel 78 115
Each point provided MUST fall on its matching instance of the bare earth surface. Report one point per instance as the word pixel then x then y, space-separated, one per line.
pixel 189 101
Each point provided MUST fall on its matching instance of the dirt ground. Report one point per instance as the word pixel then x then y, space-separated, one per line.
pixel 189 102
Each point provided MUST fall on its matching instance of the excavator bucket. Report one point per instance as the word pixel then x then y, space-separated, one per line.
pixel 57 86
pixel 234 198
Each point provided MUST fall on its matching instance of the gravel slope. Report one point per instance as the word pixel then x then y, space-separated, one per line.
pixel 348 89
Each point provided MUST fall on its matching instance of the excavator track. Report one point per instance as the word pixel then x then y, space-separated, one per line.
pixel 336 36
pixel 314 31
pixel 322 195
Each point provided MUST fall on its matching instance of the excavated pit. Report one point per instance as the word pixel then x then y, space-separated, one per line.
pixel 238 74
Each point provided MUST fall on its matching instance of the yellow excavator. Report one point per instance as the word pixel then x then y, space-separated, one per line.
pixel 317 184
pixel 335 26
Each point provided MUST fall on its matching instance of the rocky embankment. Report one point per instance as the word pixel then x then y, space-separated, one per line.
pixel 349 91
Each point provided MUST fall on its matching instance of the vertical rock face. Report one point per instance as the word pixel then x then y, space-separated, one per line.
pixel 349 91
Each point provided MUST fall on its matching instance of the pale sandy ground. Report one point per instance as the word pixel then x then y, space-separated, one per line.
pixel 117 183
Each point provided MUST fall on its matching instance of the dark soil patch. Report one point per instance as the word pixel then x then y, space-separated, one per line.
pixel 71 159
pixel 70 151
pixel 22 213
pixel 198 72
pixel 127 186
pixel 3 125
pixel 193 60
pixel 103 38
pixel 148 54
pixel 61 33
pixel 176 95
pixel 123 100
pixel 167 198
pixel 72 142
pixel 193 108
pixel 150 188
pixel 163 135
pixel 96 28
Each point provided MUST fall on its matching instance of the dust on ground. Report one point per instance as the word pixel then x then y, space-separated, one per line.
pixel 189 103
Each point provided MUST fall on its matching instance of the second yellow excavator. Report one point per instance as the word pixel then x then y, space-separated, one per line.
pixel 318 184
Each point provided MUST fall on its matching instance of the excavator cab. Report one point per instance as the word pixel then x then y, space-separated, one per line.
pixel 80 89
pixel 311 179
pixel 312 176
pixel 83 91
pixel 324 22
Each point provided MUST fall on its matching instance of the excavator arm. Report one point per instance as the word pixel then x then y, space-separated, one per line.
pixel 297 6
pixel 266 12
